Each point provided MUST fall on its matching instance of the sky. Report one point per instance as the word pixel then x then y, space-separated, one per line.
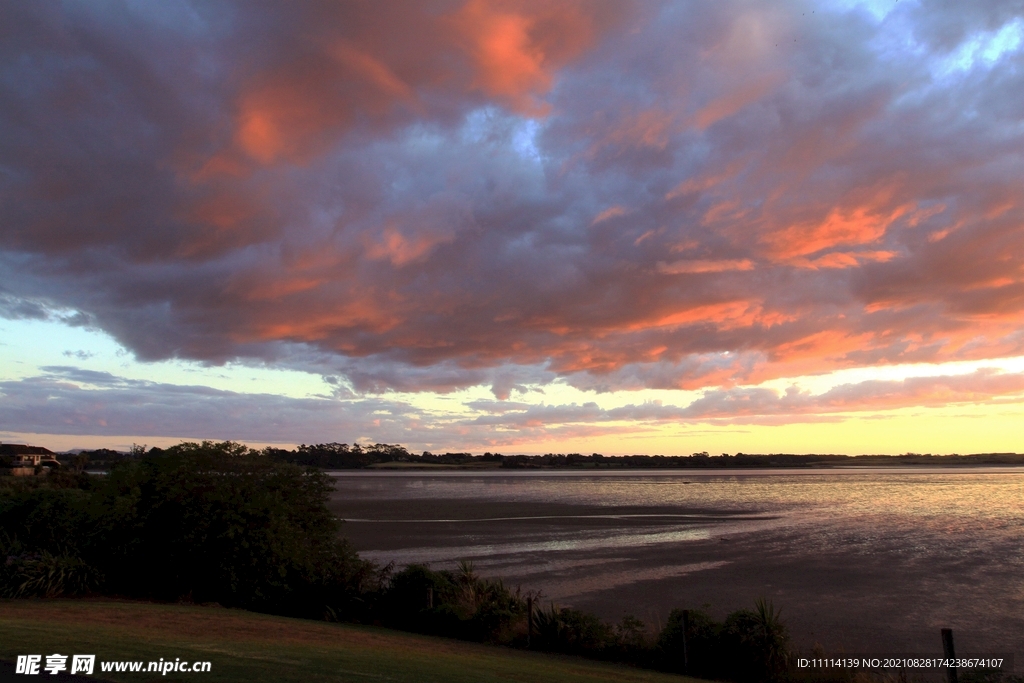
pixel 514 226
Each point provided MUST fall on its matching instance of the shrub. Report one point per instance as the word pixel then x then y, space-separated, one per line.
pixel 200 522
pixel 452 603
pixel 747 646
pixel 571 631
pixel 42 518
pixel 702 640
pixel 46 575
pixel 755 644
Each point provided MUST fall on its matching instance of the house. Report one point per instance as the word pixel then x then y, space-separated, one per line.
pixel 23 460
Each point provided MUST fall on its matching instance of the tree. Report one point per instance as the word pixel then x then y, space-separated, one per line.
pixel 209 522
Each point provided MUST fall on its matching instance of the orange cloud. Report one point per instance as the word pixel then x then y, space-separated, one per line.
pixel 824 345
pixel 401 250
pixel 260 132
pixel 276 290
pixel 364 311
pixel 844 259
pixel 861 225
pixel 706 181
pixel 509 63
pixel 220 220
pixel 292 114
pixel 704 266
pixel 610 212
pixel 517 46
pixel 370 69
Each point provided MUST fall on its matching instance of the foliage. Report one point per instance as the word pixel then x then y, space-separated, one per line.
pixel 571 631
pixel 44 518
pixel 701 636
pixel 755 643
pixel 458 604
pixel 747 646
pixel 46 575
pixel 197 522
pixel 356 456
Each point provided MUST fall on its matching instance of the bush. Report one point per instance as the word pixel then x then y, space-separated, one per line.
pixel 198 522
pixel 571 631
pixel 755 644
pixel 46 575
pixel 452 603
pixel 43 518
pixel 702 643
pixel 747 646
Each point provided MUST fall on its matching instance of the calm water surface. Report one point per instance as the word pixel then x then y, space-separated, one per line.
pixel 859 559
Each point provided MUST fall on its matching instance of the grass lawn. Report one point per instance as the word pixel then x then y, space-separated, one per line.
pixel 244 646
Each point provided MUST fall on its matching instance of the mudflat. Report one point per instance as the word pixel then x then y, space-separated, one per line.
pixel 853 590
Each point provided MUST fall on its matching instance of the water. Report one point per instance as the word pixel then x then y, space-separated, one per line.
pixel 868 560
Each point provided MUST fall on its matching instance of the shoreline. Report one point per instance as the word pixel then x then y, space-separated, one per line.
pixel 458 470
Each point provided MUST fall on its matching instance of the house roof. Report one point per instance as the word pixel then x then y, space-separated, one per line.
pixel 22 449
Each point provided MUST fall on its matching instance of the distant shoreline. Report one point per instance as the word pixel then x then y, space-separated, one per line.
pixel 605 466
pixel 388 457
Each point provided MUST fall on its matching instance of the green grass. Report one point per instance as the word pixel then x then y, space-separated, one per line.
pixel 244 646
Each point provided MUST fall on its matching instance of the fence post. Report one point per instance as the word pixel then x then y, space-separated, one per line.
pixel 949 653
pixel 529 620
pixel 686 643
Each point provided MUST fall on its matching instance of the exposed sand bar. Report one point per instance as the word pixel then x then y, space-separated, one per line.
pixel 851 587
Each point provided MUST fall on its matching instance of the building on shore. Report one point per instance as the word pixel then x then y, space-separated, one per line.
pixel 21 460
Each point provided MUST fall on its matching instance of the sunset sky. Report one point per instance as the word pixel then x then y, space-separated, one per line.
pixel 514 226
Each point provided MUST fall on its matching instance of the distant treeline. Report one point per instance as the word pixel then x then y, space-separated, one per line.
pixel 344 456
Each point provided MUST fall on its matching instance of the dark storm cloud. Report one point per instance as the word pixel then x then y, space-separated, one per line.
pixel 430 196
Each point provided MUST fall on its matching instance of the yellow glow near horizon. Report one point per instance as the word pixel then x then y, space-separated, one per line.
pixel 985 426
pixel 957 429
pixel 951 429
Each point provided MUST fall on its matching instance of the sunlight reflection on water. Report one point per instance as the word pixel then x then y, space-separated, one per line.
pixel 576 542
pixel 936 501
pixel 916 546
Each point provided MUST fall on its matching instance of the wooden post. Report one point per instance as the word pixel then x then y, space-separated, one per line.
pixel 529 621
pixel 949 653
pixel 686 643
pixel 430 598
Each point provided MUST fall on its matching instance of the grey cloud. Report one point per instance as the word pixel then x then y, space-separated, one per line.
pixel 79 354
pixel 758 405
pixel 54 404
pixel 76 374
pixel 348 189
pixel 17 308
pixel 58 403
